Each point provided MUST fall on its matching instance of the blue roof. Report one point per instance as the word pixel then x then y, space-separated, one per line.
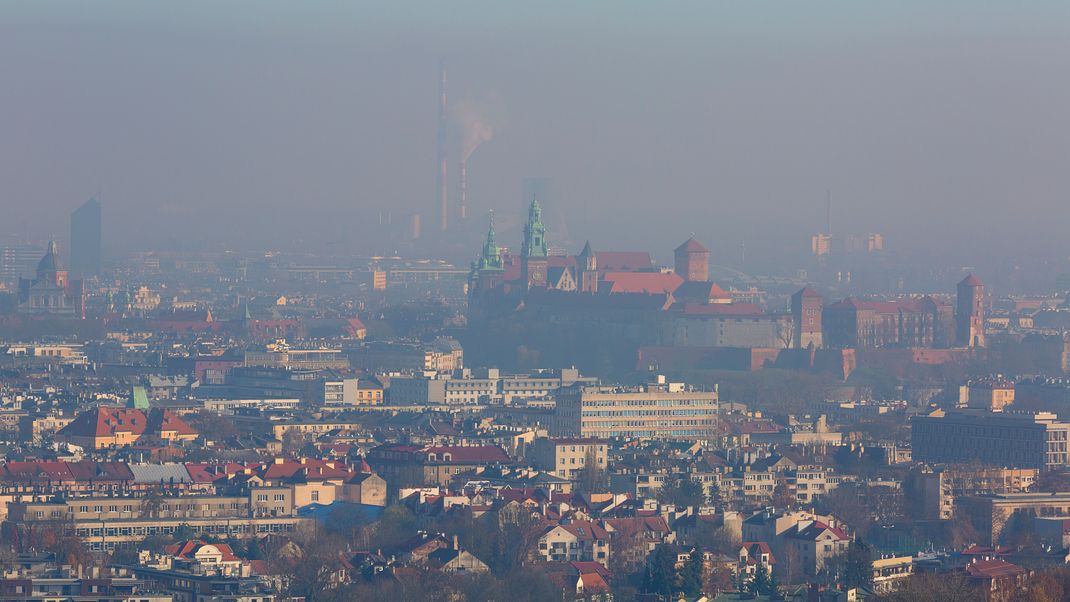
pixel 321 512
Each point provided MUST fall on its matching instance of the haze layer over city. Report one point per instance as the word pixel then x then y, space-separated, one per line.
pixel 262 124
pixel 496 301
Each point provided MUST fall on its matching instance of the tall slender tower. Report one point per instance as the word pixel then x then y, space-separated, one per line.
pixel 533 252
pixel 970 312
pixel 443 181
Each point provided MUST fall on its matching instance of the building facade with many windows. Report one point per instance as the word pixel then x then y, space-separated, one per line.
pixel 1006 439
pixel 656 410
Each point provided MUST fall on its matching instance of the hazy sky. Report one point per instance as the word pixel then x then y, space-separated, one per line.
pixel 263 122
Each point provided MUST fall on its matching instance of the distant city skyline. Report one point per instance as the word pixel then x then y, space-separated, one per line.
pixel 283 127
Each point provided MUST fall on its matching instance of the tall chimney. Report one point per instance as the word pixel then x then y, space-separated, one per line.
pixel 464 189
pixel 443 182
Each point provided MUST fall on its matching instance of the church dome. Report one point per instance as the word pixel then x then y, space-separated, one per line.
pixel 50 263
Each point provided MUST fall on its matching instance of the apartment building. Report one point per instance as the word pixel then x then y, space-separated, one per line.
pixel 567 457
pixel 575 541
pixel 1008 439
pixel 105 523
pixel 350 392
pixel 992 514
pixel 934 490
pixel 656 410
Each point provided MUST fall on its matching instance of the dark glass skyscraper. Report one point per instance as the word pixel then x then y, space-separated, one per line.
pixel 86 238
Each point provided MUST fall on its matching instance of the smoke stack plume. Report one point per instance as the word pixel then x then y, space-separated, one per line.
pixel 474 123
pixel 443 182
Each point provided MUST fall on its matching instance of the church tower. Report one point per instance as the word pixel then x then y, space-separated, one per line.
pixel 692 261
pixel 489 270
pixel 970 312
pixel 587 265
pixel 533 255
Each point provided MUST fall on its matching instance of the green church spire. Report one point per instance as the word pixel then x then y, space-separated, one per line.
pixel 534 232
pixel 492 253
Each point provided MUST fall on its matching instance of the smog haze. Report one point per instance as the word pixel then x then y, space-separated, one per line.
pixel 254 125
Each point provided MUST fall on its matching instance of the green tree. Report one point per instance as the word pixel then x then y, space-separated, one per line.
pixel 691 574
pixel 682 491
pixel 591 478
pixel 253 550
pixel 152 504
pixel 759 584
pixel 858 565
pixel 184 532
pixel 661 572
pixel 396 524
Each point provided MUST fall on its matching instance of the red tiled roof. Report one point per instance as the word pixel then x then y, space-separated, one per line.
pixel 469 453
pixel 593 582
pixel 307 469
pixel 585 529
pixel 37 470
pixel 88 470
pixel 815 529
pixel 691 246
pixel 756 548
pixel 106 422
pixel 641 282
pixel 994 569
pixel 166 420
pixel 188 549
pixel 582 567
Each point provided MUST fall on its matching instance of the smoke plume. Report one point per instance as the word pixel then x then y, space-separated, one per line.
pixel 475 122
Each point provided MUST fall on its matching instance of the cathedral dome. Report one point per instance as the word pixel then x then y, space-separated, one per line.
pixel 50 263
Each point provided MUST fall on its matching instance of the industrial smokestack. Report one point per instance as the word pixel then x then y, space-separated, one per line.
pixel 464 189
pixel 443 182
pixel 475 127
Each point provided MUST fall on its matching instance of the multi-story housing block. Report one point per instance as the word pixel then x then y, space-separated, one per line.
pixel 655 410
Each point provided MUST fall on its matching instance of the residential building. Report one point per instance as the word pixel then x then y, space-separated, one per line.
pixel 889 574
pixel 992 515
pixel 584 541
pixel 349 392
pixel 107 427
pixel 409 465
pixel 655 410
pixel 934 490
pixel 992 394
pixel 567 457
pixel 105 523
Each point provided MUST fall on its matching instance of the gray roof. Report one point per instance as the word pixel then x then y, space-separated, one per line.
pixel 160 473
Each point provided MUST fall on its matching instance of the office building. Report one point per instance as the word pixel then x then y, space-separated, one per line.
pixel 86 234
pixel 655 410
pixel 1007 439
